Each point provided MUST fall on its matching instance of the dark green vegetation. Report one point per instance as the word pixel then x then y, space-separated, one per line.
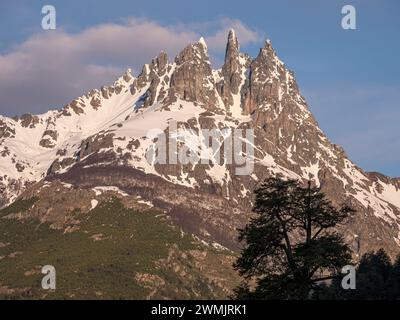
pixel 18 206
pixel 291 245
pixel 291 251
pixel 116 253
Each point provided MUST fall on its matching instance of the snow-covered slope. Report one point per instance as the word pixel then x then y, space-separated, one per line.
pixel 29 144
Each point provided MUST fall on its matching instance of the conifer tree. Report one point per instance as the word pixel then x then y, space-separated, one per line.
pixel 290 245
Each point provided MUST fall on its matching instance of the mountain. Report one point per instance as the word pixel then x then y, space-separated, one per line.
pixel 95 150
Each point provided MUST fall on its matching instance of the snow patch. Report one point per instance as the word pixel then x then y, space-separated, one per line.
pixel 101 189
pixel 93 203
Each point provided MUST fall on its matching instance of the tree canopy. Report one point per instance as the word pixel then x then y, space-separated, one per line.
pixel 291 244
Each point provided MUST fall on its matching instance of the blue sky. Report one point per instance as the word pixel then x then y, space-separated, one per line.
pixel 350 78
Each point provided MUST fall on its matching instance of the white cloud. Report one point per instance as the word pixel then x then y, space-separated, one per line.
pixel 53 67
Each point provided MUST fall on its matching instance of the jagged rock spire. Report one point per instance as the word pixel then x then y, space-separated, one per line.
pixel 231 70
pixel 232 47
pixel 267 51
pixel 268 81
pixel 192 79
pixel 151 73
pixel 159 63
pixel 202 42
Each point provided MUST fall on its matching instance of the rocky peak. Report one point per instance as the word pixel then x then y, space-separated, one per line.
pixel 232 40
pixel 192 79
pixel 6 129
pixel 127 76
pixel 203 43
pixel 267 51
pixel 194 53
pixel 28 120
pixel 231 54
pixel 142 79
pixel 151 74
pixel 158 65
pixel 269 81
pixel 231 71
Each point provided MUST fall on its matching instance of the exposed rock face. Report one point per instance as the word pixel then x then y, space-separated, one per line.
pixel 231 70
pixel 50 135
pixel 269 81
pixel 235 64
pixel 95 143
pixel 6 129
pixel 95 102
pixel 157 74
pixel 76 107
pixel 192 79
pixel 28 120
pixel 102 139
pixel 232 66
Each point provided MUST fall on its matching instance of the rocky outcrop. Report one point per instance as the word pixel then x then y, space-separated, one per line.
pixel 157 74
pixel 232 70
pixel 192 79
pixel 28 120
pixel 50 135
pixel 95 143
pixel 269 82
pixel 6 129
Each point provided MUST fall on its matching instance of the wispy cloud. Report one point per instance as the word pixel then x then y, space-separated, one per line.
pixel 53 67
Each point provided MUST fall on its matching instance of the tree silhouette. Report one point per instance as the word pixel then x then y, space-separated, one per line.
pixel 376 278
pixel 290 246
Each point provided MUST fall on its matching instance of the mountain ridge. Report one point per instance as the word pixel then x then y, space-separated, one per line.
pixel 102 135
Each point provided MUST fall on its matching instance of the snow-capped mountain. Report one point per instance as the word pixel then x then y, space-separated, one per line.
pixel 101 139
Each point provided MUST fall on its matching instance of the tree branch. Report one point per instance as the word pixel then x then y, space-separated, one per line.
pixel 324 278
